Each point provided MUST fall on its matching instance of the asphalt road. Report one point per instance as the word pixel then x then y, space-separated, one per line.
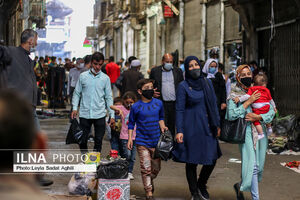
pixel 278 183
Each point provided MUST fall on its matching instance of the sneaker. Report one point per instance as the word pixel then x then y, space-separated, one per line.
pixel 260 136
pixel 130 176
pixel 239 194
pixel 203 193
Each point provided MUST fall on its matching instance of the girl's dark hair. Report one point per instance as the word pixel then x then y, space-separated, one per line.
pixel 117 99
pixel 129 95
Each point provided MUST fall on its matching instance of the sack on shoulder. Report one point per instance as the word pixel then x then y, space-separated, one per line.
pixel 234 132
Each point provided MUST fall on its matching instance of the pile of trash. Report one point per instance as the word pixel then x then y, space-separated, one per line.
pixel 109 181
pixel 286 135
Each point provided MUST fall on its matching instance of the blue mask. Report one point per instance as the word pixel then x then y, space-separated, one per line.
pixel 168 66
pixel 212 70
pixel 252 69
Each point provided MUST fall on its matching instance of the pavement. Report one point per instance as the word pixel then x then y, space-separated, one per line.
pixel 279 183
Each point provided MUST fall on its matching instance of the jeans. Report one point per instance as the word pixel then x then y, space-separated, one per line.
pixel 254 183
pixel 149 167
pixel 128 154
pixel 115 141
pixel 191 175
pixel 99 125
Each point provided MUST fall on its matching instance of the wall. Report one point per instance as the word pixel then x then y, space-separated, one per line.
pixel 192 27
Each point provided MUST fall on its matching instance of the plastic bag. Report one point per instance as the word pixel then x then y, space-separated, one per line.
pixel 82 184
pixel 75 133
pixel 284 125
pixel 116 169
pixel 165 146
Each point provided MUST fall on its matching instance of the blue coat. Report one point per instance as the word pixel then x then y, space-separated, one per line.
pixel 199 145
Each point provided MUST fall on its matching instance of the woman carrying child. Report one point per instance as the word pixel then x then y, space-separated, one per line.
pixel 253 151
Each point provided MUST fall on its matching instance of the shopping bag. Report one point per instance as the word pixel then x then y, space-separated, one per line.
pixel 116 169
pixel 164 146
pixel 75 133
pixel 82 184
pixel 234 132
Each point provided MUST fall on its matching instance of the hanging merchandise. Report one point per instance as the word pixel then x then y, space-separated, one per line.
pixel 168 13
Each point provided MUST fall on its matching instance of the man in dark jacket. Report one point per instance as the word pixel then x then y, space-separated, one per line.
pixel 21 77
pixel 130 77
pixel 167 77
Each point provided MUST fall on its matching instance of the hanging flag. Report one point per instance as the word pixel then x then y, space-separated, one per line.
pixel 87 43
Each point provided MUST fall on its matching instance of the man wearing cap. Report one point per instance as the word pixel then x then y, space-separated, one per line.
pixel 130 77
pixel 167 77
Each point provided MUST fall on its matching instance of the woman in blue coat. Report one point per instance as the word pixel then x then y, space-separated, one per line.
pixel 197 122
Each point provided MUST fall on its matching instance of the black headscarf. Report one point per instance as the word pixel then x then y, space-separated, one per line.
pixel 204 84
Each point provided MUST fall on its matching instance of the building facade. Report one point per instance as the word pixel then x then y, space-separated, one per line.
pixel 17 15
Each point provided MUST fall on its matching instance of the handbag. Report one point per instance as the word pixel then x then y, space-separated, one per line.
pixel 75 134
pixel 164 146
pixel 234 132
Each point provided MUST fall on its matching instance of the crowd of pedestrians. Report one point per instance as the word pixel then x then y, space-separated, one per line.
pixel 191 101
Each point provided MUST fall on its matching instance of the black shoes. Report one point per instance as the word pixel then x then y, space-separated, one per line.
pixel 203 193
pixel 196 196
pixel 239 194
pixel 44 182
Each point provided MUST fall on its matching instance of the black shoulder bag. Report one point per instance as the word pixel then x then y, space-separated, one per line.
pixel 234 132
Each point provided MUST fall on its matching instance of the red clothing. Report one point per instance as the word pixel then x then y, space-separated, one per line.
pixel 113 71
pixel 265 97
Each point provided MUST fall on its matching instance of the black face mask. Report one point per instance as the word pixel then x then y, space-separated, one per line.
pixel 148 94
pixel 246 81
pixel 195 73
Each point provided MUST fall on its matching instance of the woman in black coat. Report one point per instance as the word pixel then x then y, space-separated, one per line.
pixel 211 70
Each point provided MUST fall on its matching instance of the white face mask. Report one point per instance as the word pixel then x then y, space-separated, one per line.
pixel 81 66
pixel 94 72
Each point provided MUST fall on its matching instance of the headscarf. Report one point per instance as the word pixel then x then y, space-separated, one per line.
pixel 204 84
pixel 206 68
pixel 238 89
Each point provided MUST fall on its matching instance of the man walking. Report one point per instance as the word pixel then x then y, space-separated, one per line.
pixel 113 71
pixel 130 78
pixel 94 90
pixel 167 77
pixel 74 76
pixel 21 77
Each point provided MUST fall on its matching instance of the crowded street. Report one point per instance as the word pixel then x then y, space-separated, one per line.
pixel 279 183
pixel 149 99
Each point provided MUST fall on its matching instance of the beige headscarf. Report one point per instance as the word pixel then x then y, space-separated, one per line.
pixel 239 89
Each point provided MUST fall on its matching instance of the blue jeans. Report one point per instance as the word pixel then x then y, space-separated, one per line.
pixel 254 184
pixel 129 154
pixel 115 141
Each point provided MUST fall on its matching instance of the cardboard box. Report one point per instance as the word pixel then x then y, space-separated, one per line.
pixel 113 189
